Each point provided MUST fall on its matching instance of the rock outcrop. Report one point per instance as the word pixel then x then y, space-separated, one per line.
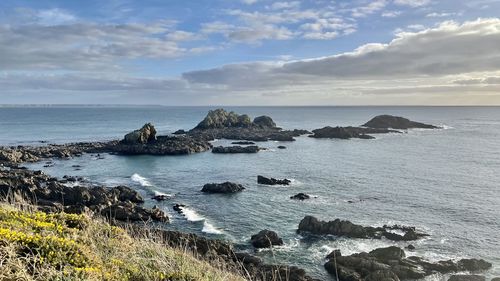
pixel 391 264
pixel 300 196
pixel 348 132
pixel 220 124
pixel 144 135
pixel 264 122
pixel 348 229
pixel 236 149
pixel 395 122
pixel 225 187
pixel 219 118
pixel 53 195
pixel 243 142
pixel 163 145
pixel 272 181
pixel 265 239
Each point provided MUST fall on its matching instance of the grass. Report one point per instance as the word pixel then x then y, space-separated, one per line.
pixel 39 246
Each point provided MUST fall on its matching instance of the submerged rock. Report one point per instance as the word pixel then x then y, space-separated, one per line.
pixel 348 229
pixel 243 142
pixel 144 135
pixel 395 122
pixel 272 181
pixel 265 239
pixel 225 187
pixel 236 149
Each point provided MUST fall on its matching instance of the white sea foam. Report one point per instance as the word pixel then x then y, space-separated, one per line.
pixel 192 215
pixel 72 183
pixel 140 179
pixel 209 228
pixel 445 127
pixel 159 193
pixel 295 182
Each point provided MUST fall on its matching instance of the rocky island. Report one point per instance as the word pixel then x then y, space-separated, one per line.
pixel 382 124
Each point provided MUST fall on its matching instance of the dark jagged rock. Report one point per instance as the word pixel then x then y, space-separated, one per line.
pixel 300 196
pixel 179 132
pixel 265 239
pixel 121 203
pixel 163 145
pixel 410 247
pixel 178 208
pixel 220 124
pixel 243 142
pixel 348 132
pixel 395 122
pixel 281 147
pixel 264 122
pixel 348 229
pixel 236 149
pixel 220 118
pixel 496 279
pixel 334 254
pixel 272 181
pixel 124 193
pixel 388 263
pixel 126 211
pixel 161 197
pixel 467 278
pixel 225 187
pixel 144 135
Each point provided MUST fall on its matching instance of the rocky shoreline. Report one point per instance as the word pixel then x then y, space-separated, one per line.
pixel 123 205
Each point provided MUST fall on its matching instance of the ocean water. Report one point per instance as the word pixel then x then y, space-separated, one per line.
pixel 445 182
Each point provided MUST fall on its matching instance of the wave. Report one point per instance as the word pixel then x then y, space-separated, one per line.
pixel 192 215
pixel 209 228
pixel 140 179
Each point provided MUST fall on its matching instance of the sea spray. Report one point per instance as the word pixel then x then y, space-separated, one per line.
pixel 193 216
pixel 140 179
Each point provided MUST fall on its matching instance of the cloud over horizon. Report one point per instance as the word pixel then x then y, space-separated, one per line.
pixel 56 53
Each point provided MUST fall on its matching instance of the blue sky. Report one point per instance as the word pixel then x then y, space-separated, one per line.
pixel 250 52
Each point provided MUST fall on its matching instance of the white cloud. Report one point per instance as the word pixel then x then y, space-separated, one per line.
pixel 442 15
pixel 369 9
pixel 412 3
pixel 284 5
pixel 249 2
pixel 54 17
pixel 87 45
pixel 391 14
pixel 448 49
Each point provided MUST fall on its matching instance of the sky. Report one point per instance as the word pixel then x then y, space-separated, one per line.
pixel 250 52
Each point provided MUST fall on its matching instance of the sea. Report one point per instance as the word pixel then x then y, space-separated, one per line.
pixel 445 182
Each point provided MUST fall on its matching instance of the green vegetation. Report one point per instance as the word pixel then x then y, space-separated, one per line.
pixel 39 246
